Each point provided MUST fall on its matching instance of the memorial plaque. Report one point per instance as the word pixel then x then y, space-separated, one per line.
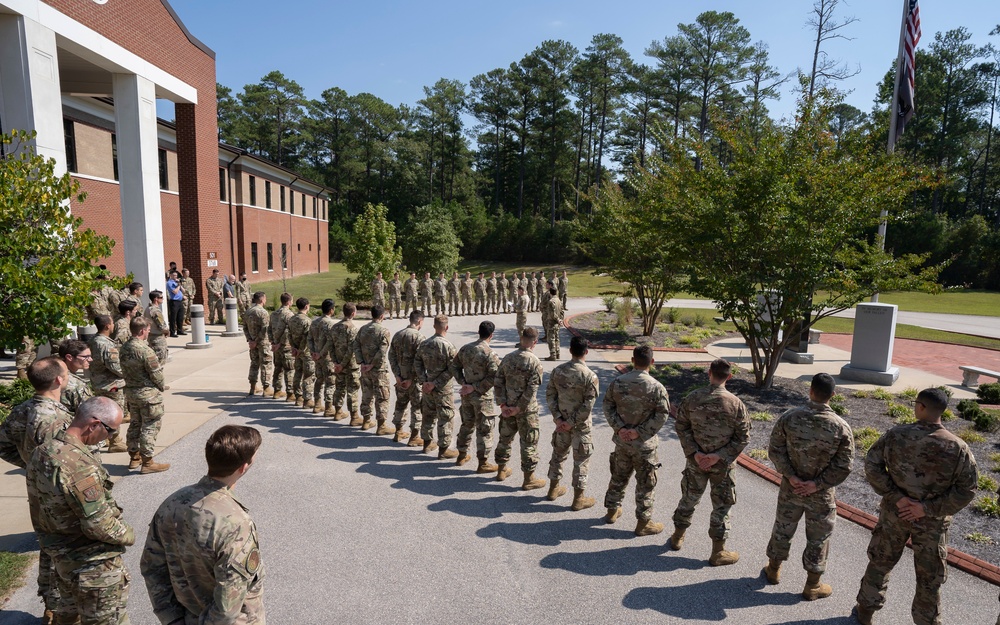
pixel 871 351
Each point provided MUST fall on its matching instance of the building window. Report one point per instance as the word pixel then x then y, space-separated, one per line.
pixel 267 193
pixel 270 257
pixel 284 256
pixel 253 257
pixel 303 204
pixel 253 191
pixel 281 193
pixel 162 156
pixel 114 153
pixel 310 247
pixel 69 130
pixel 291 199
pixel 300 247
pixel 222 184
pixel 314 208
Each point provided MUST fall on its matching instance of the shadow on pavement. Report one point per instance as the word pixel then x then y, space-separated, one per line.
pixel 496 507
pixel 624 561
pixel 219 400
pixel 547 533
pixel 833 620
pixel 688 602
pixel 19 543
pixel 18 617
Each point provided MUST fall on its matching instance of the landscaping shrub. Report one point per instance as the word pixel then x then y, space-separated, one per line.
pixel 989 393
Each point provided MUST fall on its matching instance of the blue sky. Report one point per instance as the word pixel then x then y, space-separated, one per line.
pixel 393 49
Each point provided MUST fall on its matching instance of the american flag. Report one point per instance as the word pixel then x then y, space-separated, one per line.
pixel 911 37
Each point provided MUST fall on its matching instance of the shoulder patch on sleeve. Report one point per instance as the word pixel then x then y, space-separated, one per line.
pixel 88 489
pixel 253 561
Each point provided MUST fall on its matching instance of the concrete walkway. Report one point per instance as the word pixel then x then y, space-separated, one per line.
pixel 356 529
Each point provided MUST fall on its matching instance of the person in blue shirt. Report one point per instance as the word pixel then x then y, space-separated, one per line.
pixel 175 305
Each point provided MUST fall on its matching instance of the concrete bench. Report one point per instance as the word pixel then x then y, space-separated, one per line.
pixel 814 336
pixel 970 375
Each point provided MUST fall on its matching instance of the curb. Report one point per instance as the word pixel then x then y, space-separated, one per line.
pixel 575 332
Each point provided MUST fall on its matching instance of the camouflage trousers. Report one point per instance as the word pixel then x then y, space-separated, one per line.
pixel 481 304
pixel 215 310
pixel 305 375
pixel 96 591
pixel 439 307
pixel 475 419
pixel 48 581
pixel 425 305
pixel 820 510
pixel 930 550
pixel 466 304
pixel 187 311
pixel 408 398
pixel 624 461
pixel 325 386
pixel 581 441
pixel 452 303
pixel 158 344
pixel 261 359
pixel 491 303
pixel 522 320
pixel 437 408
pixel 525 426
pixel 118 396
pixel 348 385
pixel 284 370
pixel 27 351
pixel 147 416
pixel 375 395
pixel 531 303
pixel 552 337
pixel 378 301
pixel 410 304
pixel 694 481
pixel 395 306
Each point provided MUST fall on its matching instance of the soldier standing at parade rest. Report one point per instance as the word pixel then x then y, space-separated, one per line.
pixel 475 369
pixel 214 286
pixel 426 293
pixel 713 427
pixel 99 298
pixel 532 291
pixel 480 289
pixel 281 348
pixel 131 293
pixel 158 328
pixel 504 292
pixel 144 386
pixel 201 562
pixel 542 287
pixel 636 407
pixel 571 393
pixel 467 294
pixel 320 344
pixel 121 332
pixel 78 522
pixel 491 294
pixel 242 292
pixel 371 350
pixel 433 368
pixel 517 382
pixel 553 319
pixel 346 372
pixel 77 357
pixel 395 296
pixel 106 375
pixel 925 475
pixel 305 368
pixel 813 449
pixel 255 330
pixel 440 290
pixel 378 290
pixel 410 290
pixel 454 286
pixel 190 290
pixel 402 352
pixel 563 287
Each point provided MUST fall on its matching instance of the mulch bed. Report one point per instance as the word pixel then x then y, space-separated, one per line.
pixel 861 412
pixel 690 332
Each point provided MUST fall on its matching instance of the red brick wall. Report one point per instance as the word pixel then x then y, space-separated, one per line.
pixel 263 227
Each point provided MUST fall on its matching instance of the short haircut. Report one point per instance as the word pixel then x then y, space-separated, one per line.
pixel 103 409
pixel 578 346
pixel 103 322
pixel 934 399
pixel 72 347
pixel 126 306
pixel 258 296
pixel 520 288
pixel 175 274
pixel 43 373
pixel 301 303
pixel 134 286
pixel 440 322
pixel 327 306
pixel 642 355
pixel 486 329
pixel 229 448
pixel 349 309
pixel 823 386
pixel 154 295
pixel 416 315
pixel 720 369
pixel 377 311
pixel 137 325
pixel 286 299
pixel 215 271
pixel 552 289
pixel 530 333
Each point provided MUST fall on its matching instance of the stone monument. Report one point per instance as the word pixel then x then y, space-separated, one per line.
pixel 871 351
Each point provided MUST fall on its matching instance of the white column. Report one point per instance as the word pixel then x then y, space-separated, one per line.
pixel 30 97
pixel 139 179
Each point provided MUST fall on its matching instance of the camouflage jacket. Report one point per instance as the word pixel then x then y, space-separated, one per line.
pixel 99 302
pixel 121 334
pixel 514 283
pixel 813 444
pixel 572 392
pixel 467 286
pixel 106 369
pixel 395 288
pixel 320 338
pixel 454 286
pixel 476 364
pixel 201 562
pixel 517 381
pixel 72 509
pixel 402 351
pixel 433 363
pixel 189 288
pixel 76 392
pixel 562 284
pixel 143 374
pixel 298 332
pixel 554 311
pixel 378 288
pixel 491 286
pixel 544 299
pixel 344 333
pixel 532 286
pixel 426 288
pixel 440 287
pixel 712 420
pixel 214 286
pixel 255 323
pixel 480 287
pixel 277 328
pixel 372 346
pixel 541 285
pixel 410 288
pixel 242 290
pixel 115 297
pixel 638 401
pixel 157 324
pixel 503 287
pixel 521 304
pixel 30 424
pixel 926 462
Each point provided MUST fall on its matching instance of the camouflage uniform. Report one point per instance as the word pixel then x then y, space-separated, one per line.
pixel 320 343
pixel 371 348
pixel 543 307
pixel 76 392
pixel 925 462
pixel 454 286
pixel 255 324
pixel 521 305
pixel 99 302
pixel 284 364
pixel 115 297
pixel 562 284
pixel 503 293
pixel 243 302
pixel 305 368
pixel 637 401
pixel 157 329
pixel 121 333
pixel 466 295
pixel 433 364
pixel 440 289
pixel 213 286
pixel 517 382
pixel 190 290
pixel 570 395
pixel 402 351
pixel 80 526
pixel 342 353
pixel 395 298
pixel 813 444
pixel 410 296
pixel 144 394
pixel 378 292
pixel 106 376
pixel 531 290
pixel 201 562
pixel 480 288
pixel 554 317
pixel 491 295
pixel 476 364
pixel 26 354
pixel 426 295
pixel 542 288
pixel 711 421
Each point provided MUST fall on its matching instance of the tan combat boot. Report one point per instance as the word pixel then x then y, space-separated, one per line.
pixel 773 571
pixel 531 482
pixel 341 414
pixel 415 440
pixel 485 466
pixel 356 420
pixel 367 424
pixel 116 446
pixel 463 457
pixel 721 557
pixel 447 454
pixel 309 404
pixel 581 501
pixel 430 446
pixel 135 461
pixel 22 374
pixel 815 589
pixel 299 402
pixel 384 429
pixel 677 538
pixel 866 616
pixel 317 408
pixel 291 397
pixel 279 395
pixel 330 412
pixel 647 527
pixel 148 466
pixel 48 617
pixel 400 436
pixel 268 392
pixel 503 472
pixel 555 491
pixel 612 515
pixel 253 389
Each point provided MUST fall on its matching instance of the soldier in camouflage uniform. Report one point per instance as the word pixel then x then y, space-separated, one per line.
pixel 345 366
pixel 320 344
pixel 76 356
pixel 190 290
pixel 532 292
pixel 26 354
pixel 126 311
pixel 395 296
pixel 636 407
pixel 491 294
pixel 426 293
pixel 437 405
pixel 467 294
pixel 504 292
pixel 813 449
pixel 521 305
pixel 305 368
pixel 544 296
pixel 515 282
pixel 99 298
pixel 713 426
pixel 106 375
pixel 517 382
pixel 214 287
pixel 480 288
pixel 925 475
pixel 562 285
pixel 144 388
pixel 570 395
pixel 371 350
pixel 201 562
pixel 281 347
pixel 475 369
pixel 542 288
pixel 243 297
pixel 255 323
pixel 410 294
pixel 158 328
pixel 378 290
pixel 553 319
pixel 78 522
pixel 454 286
pixel 440 290
pixel 402 351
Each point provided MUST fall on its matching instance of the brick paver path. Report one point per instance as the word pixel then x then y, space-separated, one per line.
pixel 937 358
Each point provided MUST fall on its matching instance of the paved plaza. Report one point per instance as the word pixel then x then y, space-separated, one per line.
pixel 357 529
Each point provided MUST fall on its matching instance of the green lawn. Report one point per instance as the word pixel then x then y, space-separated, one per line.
pixel 316 287
pixel 12 569
pixel 956 302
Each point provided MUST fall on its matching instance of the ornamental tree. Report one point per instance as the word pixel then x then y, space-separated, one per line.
pixel 371 248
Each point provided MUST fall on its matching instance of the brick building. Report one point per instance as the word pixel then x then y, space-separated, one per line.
pixel 86 75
